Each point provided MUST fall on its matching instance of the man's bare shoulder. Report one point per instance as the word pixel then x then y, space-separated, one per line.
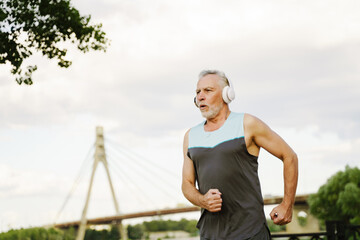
pixel 186 140
pixel 253 124
pixel 187 133
pixel 251 120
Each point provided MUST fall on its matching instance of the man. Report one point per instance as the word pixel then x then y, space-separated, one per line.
pixel 220 155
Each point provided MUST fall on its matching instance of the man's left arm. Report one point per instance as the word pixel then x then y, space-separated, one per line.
pixel 263 137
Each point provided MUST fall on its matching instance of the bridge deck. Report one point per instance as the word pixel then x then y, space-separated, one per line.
pixel 299 200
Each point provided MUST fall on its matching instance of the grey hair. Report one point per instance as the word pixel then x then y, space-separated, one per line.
pixel 224 80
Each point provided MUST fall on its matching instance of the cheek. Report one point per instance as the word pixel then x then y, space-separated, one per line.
pixel 217 99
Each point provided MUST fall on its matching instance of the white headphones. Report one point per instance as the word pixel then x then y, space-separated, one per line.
pixel 228 94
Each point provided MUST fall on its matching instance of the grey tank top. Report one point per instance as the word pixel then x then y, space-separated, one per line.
pixel 221 161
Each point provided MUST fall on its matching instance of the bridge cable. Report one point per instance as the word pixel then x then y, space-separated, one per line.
pixel 128 151
pixel 144 176
pixel 120 173
pixel 175 194
pixel 150 171
pixel 143 191
pixel 76 182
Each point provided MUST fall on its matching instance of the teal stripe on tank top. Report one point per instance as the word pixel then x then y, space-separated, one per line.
pixel 231 129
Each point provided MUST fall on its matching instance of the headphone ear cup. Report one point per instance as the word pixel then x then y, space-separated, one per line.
pixel 225 95
pixel 195 102
pixel 231 93
pixel 228 94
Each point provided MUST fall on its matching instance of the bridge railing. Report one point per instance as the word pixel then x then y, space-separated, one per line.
pixel 354 231
pixel 297 236
pixel 335 230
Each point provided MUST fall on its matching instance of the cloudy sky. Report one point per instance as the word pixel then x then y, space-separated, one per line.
pixel 294 64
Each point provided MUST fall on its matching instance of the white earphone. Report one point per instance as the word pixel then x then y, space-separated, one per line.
pixel 228 94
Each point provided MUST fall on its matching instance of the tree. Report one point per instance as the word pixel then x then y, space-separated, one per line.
pixel 42 25
pixel 136 231
pixel 339 198
pixel 275 228
pixel 69 234
pixel 114 233
pixel 33 233
pixel 191 228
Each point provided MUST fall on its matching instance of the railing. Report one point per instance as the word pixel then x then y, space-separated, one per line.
pixel 297 236
pixel 355 231
pixel 335 230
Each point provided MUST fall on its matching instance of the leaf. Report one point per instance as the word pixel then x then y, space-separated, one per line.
pixel 339 198
pixel 45 24
pixel 3 15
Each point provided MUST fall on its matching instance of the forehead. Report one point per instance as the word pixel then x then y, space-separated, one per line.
pixel 210 80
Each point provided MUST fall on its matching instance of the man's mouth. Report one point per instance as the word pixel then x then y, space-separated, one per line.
pixel 202 106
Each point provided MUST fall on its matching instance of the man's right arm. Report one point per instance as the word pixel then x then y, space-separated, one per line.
pixel 212 199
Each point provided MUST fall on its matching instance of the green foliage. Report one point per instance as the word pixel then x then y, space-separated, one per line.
pixel 190 226
pixel 114 233
pixel 136 231
pixel 275 228
pixel 33 234
pixel 42 25
pixel 92 234
pixel 302 221
pixel 339 198
pixel 141 230
pixel 170 225
pixel 55 234
pixel 69 234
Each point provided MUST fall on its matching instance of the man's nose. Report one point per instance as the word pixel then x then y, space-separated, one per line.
pixel 200 96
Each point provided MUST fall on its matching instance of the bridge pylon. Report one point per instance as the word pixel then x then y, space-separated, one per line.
pixel 99 157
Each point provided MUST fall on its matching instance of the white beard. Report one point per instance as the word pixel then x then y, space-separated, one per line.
pixel 212 112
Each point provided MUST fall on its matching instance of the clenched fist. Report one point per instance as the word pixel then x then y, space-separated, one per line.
pixel 212 200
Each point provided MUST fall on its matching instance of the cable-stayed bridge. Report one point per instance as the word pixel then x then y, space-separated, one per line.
pixel 138 181
pixel 300 200
pixel 143 180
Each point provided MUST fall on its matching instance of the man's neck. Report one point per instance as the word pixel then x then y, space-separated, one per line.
pixel 216 122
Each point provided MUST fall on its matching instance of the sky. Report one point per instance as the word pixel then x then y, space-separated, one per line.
pixel 293 64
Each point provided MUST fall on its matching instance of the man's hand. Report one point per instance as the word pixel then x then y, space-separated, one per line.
pixel 281 214
pixel 212 200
